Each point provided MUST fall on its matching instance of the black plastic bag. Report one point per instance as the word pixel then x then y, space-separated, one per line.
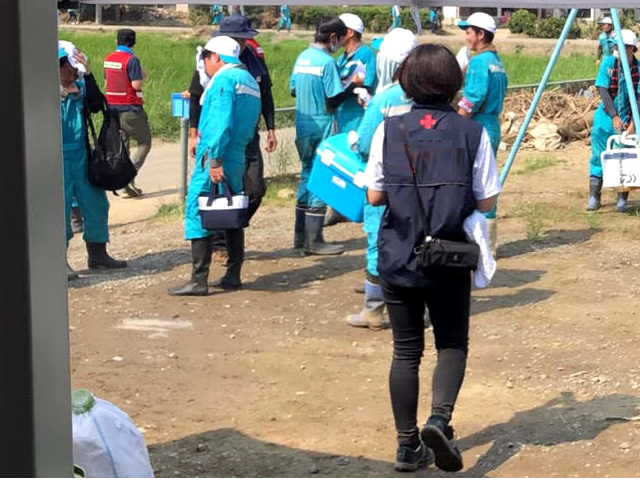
pixel 109 165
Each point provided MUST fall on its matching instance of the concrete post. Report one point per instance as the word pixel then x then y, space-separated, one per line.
pixel 35 404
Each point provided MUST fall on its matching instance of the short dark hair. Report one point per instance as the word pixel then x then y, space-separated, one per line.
pixel 358 35
pixel 328 26
pixel 126 37
pixel 430 75
pixel 63 61
pixel 206 53
pixel 488 36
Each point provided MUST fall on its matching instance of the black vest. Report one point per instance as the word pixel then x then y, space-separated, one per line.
pixel 443 147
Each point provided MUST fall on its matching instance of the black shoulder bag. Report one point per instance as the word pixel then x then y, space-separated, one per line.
pixel 436 254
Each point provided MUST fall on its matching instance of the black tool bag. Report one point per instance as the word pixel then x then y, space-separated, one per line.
pixel 109 165
pixel 437 254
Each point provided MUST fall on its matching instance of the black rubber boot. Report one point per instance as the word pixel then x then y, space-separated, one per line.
pixel 235 252
pixel 595 193
pixel 99 259
pixel 298 231
pixel 201 258
pixel 216 239
pixel 314 241
pixel 621 204
pixel 333 218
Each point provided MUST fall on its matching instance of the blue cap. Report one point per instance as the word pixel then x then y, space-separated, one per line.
pixel 62 53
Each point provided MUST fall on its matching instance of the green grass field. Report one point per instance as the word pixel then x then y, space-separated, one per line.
pixel 169 61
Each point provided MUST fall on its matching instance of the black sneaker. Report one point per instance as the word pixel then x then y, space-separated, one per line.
pixel 437 435
pixel 410 460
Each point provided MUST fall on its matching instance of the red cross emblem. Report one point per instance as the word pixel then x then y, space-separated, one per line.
pixel 427 121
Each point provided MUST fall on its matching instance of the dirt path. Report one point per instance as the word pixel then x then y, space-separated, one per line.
pixel 270 381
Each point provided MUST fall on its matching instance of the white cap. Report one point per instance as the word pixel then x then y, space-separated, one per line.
pixel 629 38
pixel 353 22
pixel 606 21
pixel 397 44
pixel 226 47
pixel 70 49
pixel 480 20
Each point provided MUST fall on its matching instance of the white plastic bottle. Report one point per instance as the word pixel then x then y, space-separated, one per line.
pixel 106 442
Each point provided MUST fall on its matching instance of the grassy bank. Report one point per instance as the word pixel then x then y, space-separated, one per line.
pixel 169 60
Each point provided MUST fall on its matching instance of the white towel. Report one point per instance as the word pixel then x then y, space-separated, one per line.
pixel 477 231
pixel 463 57
pixel 204 78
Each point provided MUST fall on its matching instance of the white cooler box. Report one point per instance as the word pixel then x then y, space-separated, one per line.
pixel 621 165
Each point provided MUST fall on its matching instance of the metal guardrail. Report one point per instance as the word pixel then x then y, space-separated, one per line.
pixel 552 84
pixel 510 88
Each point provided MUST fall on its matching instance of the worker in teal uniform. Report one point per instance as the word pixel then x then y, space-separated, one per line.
pixel 434 20
pixel 485 88
pixel 218 14
pixel 357 59
pixel 285 18
pixel 315 83
pixel 230 111
pixel 389 101
pixel 79 96
pixel 606 40
pixel 396 17
pixel 613 115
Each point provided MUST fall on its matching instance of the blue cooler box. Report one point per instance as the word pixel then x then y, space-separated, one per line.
pixel 179 105
pixel 337 177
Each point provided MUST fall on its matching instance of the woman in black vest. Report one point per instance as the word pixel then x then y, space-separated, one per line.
pixel 432 169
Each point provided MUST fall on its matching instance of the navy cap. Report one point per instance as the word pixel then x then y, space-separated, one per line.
pixel 236 26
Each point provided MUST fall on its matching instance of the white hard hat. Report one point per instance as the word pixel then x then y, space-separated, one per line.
pixel 226 47
pixel 397 44
pixel 629 38
pixel 480 20
pixel 353 22
pixel 606 21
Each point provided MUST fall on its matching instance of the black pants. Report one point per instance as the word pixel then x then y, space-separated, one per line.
pixel 448 299
pixel 254 184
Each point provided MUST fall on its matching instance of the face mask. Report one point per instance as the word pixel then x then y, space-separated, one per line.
pixel 333 47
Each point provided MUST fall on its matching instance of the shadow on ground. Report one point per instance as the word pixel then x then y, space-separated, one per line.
pixel 561 420
pixel 147 264
pixel 230 453
pixel 551 239
pixel 323 268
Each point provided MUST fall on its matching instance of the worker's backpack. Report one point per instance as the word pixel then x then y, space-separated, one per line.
pixel 110 167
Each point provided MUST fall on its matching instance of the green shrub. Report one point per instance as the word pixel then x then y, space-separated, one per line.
pixel 522 21
pixel 376 19
pixel 263 16
pixel 590 30
pixel 200 15
pixel 552 28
